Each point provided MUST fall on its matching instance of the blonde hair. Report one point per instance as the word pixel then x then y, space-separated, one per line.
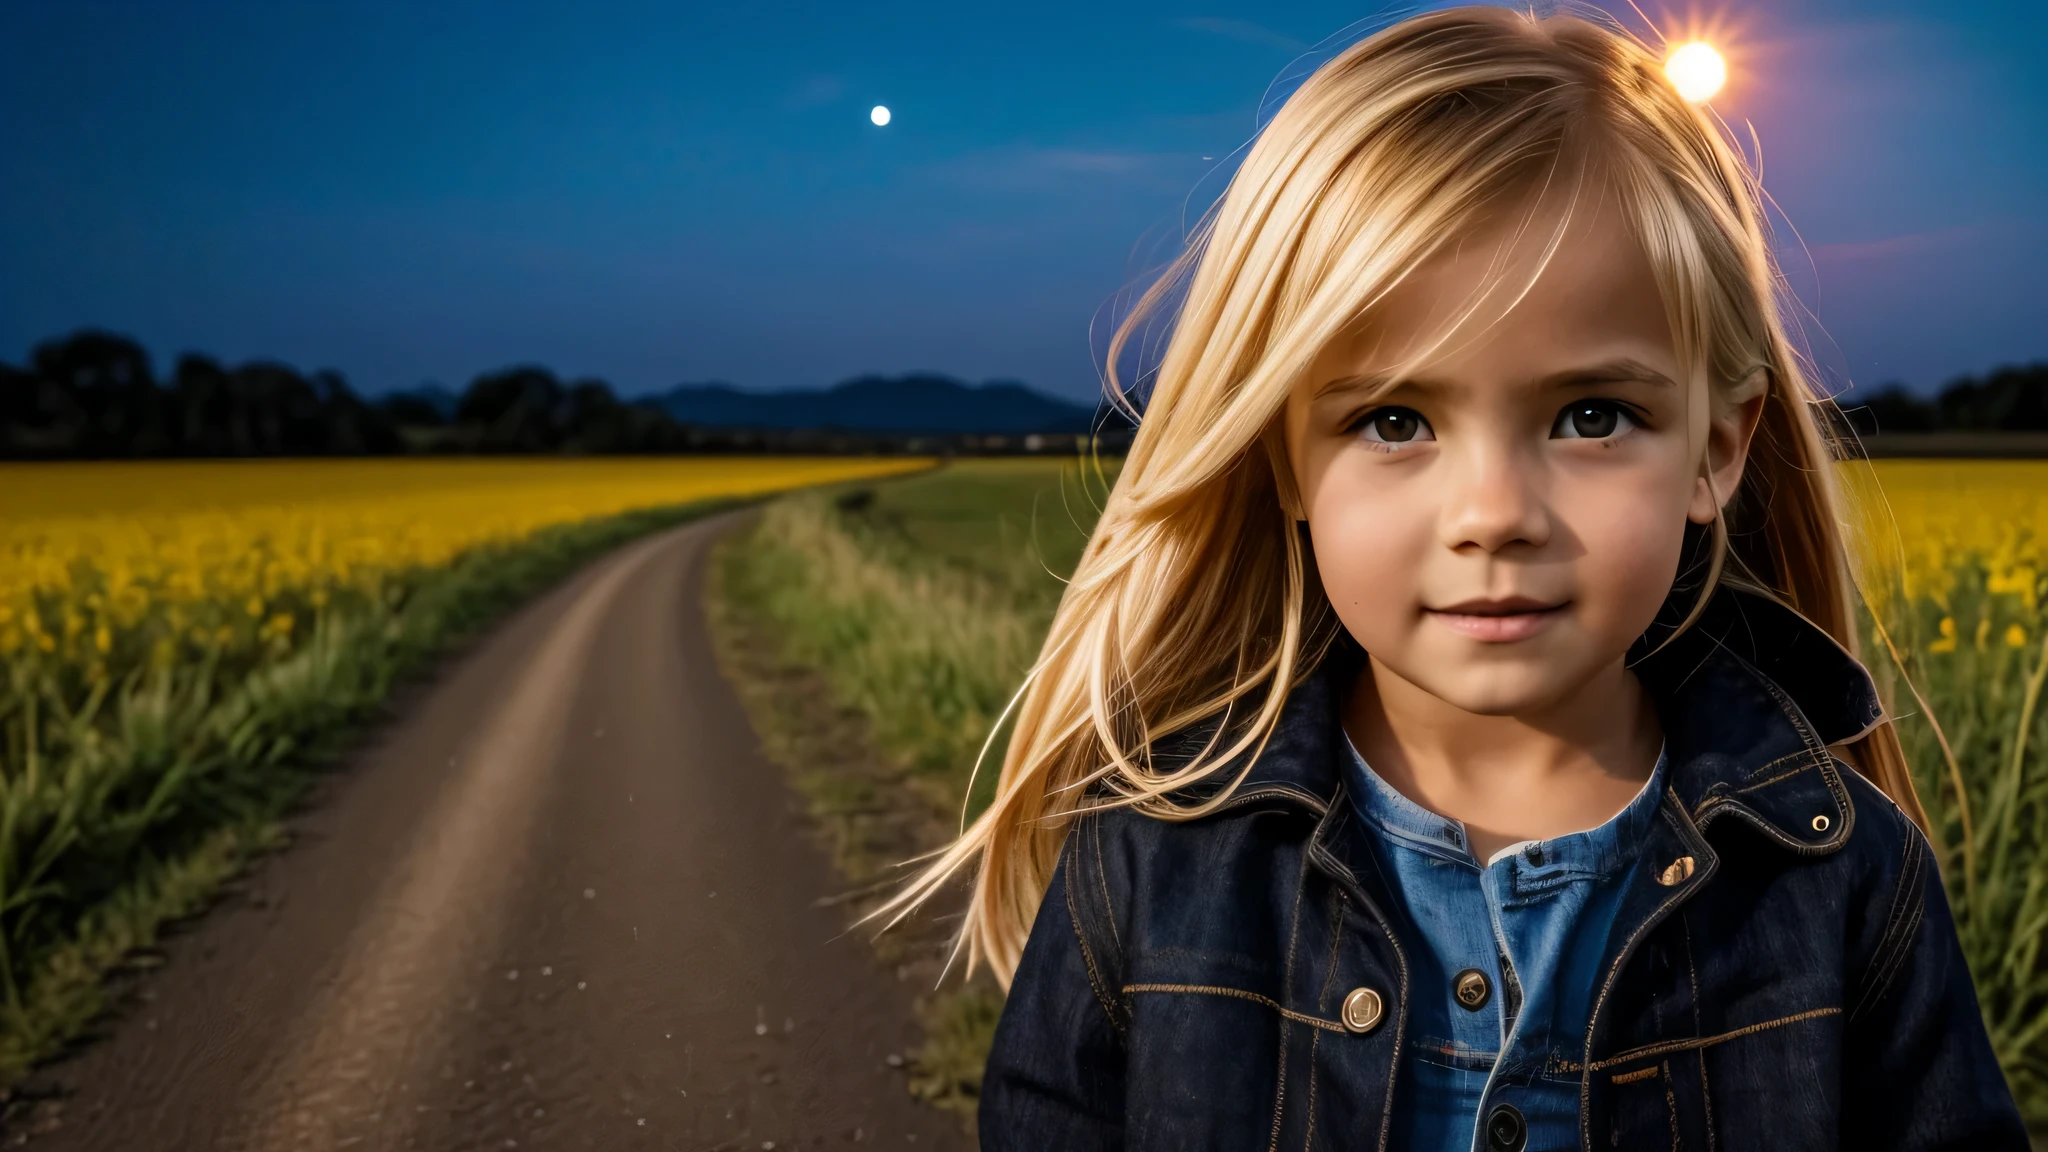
pixel 1196 597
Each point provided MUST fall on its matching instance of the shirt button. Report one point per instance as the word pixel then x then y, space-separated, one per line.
pixel 1362 1010
pixel 1471 988
pixel 1505 1131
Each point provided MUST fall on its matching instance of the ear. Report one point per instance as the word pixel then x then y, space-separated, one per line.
pixel 1731 424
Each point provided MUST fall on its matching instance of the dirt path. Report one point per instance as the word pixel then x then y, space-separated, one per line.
pixel 563 903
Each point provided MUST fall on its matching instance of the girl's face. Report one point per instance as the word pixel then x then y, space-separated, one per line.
pixel 1500 526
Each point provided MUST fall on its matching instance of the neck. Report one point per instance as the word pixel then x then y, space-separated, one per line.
pixel 1483 767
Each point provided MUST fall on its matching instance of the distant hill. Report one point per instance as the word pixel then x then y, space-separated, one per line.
pixel 909 404
pixel 95 395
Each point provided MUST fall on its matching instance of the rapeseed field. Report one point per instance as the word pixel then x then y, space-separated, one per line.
pixel 180 640
pixel 108 568
pixel 1955 569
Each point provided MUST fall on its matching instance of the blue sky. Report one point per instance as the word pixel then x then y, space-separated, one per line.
pixel 682 192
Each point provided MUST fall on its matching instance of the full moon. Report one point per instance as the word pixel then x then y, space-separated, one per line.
pixel 880 115
pixel 1696 70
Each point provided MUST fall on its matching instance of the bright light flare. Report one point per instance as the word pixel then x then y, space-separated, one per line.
pixel 1696 70
pixel 879 115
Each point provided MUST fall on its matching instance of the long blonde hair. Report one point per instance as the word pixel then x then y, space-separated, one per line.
pixel 1196 597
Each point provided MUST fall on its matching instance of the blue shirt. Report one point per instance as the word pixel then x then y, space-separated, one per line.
pixel 1547 907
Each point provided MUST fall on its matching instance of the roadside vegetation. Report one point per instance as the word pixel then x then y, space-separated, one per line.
pixel 182 644
pixel 1957 572
pixel 876 632
pixel 897 618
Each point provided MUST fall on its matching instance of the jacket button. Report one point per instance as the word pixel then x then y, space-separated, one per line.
pixel 1675 872
pixel 1362 1010
pixel 1505 1131
pixel 1471 988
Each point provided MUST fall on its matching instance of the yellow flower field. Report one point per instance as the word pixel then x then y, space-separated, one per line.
pixel 1955 553
pixel 1921 518
pixel 103 566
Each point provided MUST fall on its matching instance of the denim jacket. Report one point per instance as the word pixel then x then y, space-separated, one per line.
pixel 1784 974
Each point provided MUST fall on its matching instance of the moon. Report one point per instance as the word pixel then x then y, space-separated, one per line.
pixel 1696 70
pixel 880 115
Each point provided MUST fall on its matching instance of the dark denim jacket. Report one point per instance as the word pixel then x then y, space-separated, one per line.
pixel 1797 985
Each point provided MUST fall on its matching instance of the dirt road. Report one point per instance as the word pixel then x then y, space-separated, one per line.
pixel 561 903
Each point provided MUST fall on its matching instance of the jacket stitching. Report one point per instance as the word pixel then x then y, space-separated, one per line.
pixel 1322 998
pixel 1807 762
pixel 1901 956
pixel 1908 905
pixel 1673 811
pixel 1318 843
pixel 1241 994
pixel 1102 879
pixel 1824 762
pixel 1692 974
pixel 1669 1046
pixel 1882 956
pixel 1638 1074
pixel 1336 941
pixel 1670 1102
pixel 1095 980
pixel 1309 1141
pixel 1287 993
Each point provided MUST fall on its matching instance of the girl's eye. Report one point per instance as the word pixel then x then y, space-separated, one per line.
pixel 1394 426
pixel 1592 420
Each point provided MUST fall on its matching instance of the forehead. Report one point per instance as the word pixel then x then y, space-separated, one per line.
pixel 1526 291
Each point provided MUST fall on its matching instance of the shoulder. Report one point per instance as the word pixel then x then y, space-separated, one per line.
pixel 1137 880
pixel 1882 838
pixel 1892 882
pixel 1126 847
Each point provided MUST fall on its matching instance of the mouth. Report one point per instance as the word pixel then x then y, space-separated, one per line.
pixel 1499 621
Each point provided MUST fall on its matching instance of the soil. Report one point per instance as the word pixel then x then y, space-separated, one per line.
pixel 562 901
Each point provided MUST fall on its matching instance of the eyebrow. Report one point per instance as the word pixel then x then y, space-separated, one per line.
pixel 1606 372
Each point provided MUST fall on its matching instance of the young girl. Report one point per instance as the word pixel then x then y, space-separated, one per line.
pixel 1452 737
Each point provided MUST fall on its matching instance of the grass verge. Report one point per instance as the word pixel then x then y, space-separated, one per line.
pixel 875 633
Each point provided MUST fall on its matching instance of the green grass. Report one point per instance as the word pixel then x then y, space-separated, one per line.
pixel 916 606
pixel 1983 777
pixel 922 602
pixel 128 812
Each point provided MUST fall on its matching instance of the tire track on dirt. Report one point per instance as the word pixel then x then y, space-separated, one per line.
pixel 563 902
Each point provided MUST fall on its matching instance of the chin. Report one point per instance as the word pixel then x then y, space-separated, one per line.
pixel 1498 691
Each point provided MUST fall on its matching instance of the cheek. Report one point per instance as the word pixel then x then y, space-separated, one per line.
pixel 1632 538
pixel 1370 548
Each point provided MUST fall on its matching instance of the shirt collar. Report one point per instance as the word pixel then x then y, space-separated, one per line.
pixel 1604 849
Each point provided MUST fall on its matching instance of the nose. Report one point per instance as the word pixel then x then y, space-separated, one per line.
pixel 1494 500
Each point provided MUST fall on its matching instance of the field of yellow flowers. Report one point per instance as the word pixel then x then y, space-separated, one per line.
pixel 1955 572
pixel 179 640
pixel 106 569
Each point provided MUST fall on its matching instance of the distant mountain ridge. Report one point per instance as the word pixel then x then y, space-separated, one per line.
pixel 916 403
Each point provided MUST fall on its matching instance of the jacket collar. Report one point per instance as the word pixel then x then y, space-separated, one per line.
pixel 1750 697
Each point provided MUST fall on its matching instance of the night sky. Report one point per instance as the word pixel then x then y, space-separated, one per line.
pixel 692 191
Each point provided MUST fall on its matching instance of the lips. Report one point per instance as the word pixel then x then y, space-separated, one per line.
pixel 1499 621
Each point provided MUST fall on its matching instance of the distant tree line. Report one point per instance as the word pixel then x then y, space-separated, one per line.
pixel 2010 399
pixel 93 395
